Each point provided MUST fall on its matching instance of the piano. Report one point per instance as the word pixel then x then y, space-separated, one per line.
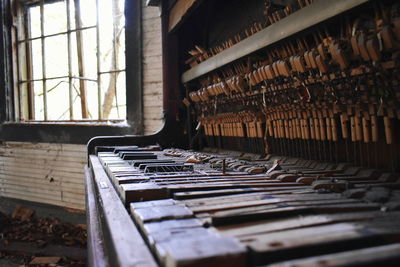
pixel 280 145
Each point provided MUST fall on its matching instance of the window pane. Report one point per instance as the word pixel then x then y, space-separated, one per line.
pixel 113 95
pixel 91 94
pixel 55 18
pixel 37 59
pixel 34 13
pixel 38 91
pixel 56 56
pixel 92 99
pixel 120 112
pixel 24 104
pixel 88 12
pixel 89 50
pixel 108 31
pixel 74 56
pixel 23 64
pixel 121 50
pixel 76 100
pixel 58 99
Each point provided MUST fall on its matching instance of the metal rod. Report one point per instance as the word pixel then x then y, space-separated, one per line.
pixel 111 71
pixel 83 78
pixel 100 111
pixel 43 59
pixel 70 89
pixel 44 78
pixel 58 77
pixel 55 34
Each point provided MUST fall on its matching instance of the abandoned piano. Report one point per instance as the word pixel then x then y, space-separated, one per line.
pixel 280 145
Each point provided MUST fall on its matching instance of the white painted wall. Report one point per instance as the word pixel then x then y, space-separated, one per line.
pixel 152 68
pixel 42 172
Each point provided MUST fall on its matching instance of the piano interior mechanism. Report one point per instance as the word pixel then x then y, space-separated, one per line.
pixel 280 145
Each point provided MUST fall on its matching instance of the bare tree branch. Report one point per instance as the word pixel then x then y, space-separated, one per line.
pixel 111 92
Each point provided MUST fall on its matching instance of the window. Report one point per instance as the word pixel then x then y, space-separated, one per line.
pixel 69 60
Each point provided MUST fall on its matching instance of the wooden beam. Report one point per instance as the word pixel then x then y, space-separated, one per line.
pixel 294 23
pixel 179 11
pixel 96 253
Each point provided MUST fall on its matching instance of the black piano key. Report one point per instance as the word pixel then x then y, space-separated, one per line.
pixel 127 155
pixel 167 167
pixel 125 148
pixel 136 163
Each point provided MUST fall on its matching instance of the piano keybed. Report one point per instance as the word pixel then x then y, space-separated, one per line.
pixel 233 209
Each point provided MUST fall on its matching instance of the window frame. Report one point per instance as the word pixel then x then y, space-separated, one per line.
pixel 23 60
pixel 68 132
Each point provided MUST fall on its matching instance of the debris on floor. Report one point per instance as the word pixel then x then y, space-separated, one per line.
pixel 22 213
pixel 30 241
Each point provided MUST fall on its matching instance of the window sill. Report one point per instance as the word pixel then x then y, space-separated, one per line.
pixel 64 132
pixel 108 123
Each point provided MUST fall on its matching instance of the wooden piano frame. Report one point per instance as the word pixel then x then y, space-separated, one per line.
pixel 113 238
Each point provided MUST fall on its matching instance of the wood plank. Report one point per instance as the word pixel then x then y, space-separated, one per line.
pixel 75 182
pixel 202 250
pixel 238 198
pixel 253 204
pixel 159 213
pixel 152 204
pixel 21 194
pixel 4 151
pixel 43 169
pixel 41 175
pixel 331 238
pixel 41 159
pixel 46 146
pixel 30 189
pixel 155 227
pixel 248 181
pixel 151 191
pixel 142 192
pixel 267 226
pixel 280 211
pixel 224 192
pixel 388 255
pixel 217 185
pixel 40 193
pixel 42 199
pixel 42 163
pixel 179 11
pixel 45 184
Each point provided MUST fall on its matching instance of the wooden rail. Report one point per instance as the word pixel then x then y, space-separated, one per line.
pixel 125 246
pixel 294 23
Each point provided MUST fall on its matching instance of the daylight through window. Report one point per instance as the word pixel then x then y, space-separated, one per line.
pixel 70 60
